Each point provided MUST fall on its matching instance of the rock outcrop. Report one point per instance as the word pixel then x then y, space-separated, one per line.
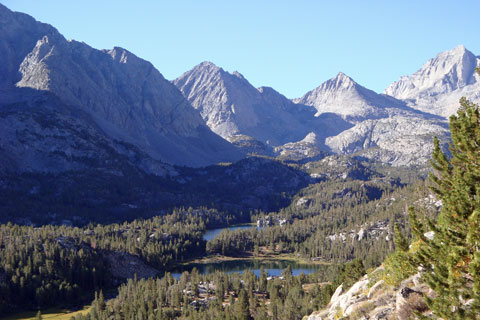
pixel 309 148
pixel 371 299
pixel 124 265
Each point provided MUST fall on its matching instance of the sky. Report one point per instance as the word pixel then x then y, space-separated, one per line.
pixel 292 46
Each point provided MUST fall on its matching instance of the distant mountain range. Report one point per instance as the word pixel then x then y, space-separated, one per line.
pixel 339 116
pixel 67 106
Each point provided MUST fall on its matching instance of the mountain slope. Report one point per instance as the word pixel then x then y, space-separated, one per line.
pixel 128 99
pixel 398 140
pixel 39 133
pixel 440 83
pixel 308 149
pixel 382 128
pixel 230 105
pixel 342 95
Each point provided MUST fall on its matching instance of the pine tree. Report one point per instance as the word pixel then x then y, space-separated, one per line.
pixel 101 301
pixel 242 308
pixel 398 265
pixel 451 259
pixel 401 243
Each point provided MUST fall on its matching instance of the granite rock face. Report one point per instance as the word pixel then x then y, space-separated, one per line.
pixel 339 116
pixel 39 133
pixel 310 148
pixel 381 127
pixel 370 300
pixel 399 139
pixel 126 99
pixel 440 83
pixel 396 127
pixel 18 33
pixel 230 106
pixel 125 96
pixel 343 96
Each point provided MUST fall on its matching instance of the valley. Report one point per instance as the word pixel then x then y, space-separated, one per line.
pixel 186 241
pixel 125 195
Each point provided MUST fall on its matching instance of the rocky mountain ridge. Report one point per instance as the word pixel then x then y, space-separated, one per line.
pixel 440 83
pixel 129 101
pixel 230 106
pixel 342 95
pixel 125 97
pixel 382 128
pixel 343 116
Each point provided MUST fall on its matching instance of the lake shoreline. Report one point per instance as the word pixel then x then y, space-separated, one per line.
pixel 262 256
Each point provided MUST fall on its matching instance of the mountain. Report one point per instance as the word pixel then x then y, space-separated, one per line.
pixel 381 127
pixel 343 96
pixel 124 97
pixel 126 101
pixel 230 106
pixel 440 83
pixel 339 116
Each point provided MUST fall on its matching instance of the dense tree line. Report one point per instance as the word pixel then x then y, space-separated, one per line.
pixel 224 296
pixel 323 230
pixel 41 266
pixel 333 206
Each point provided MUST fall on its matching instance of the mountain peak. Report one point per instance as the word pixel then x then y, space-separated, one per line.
pixel 231 106
pixel 127 98
pixel 207 65
pixel 455 55
pixel 460 48
pixel 341 75
pixel 343 96
pixel 449 71
pixel 340 82
pixel 238 75
pixel 342 78
pixel 119 54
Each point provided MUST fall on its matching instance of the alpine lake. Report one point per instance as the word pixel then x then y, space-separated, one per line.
pixel 272 266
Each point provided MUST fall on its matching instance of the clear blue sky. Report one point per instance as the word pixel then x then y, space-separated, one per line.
pixel 292 46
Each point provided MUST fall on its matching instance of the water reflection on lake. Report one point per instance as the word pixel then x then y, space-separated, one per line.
pixel 273 268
